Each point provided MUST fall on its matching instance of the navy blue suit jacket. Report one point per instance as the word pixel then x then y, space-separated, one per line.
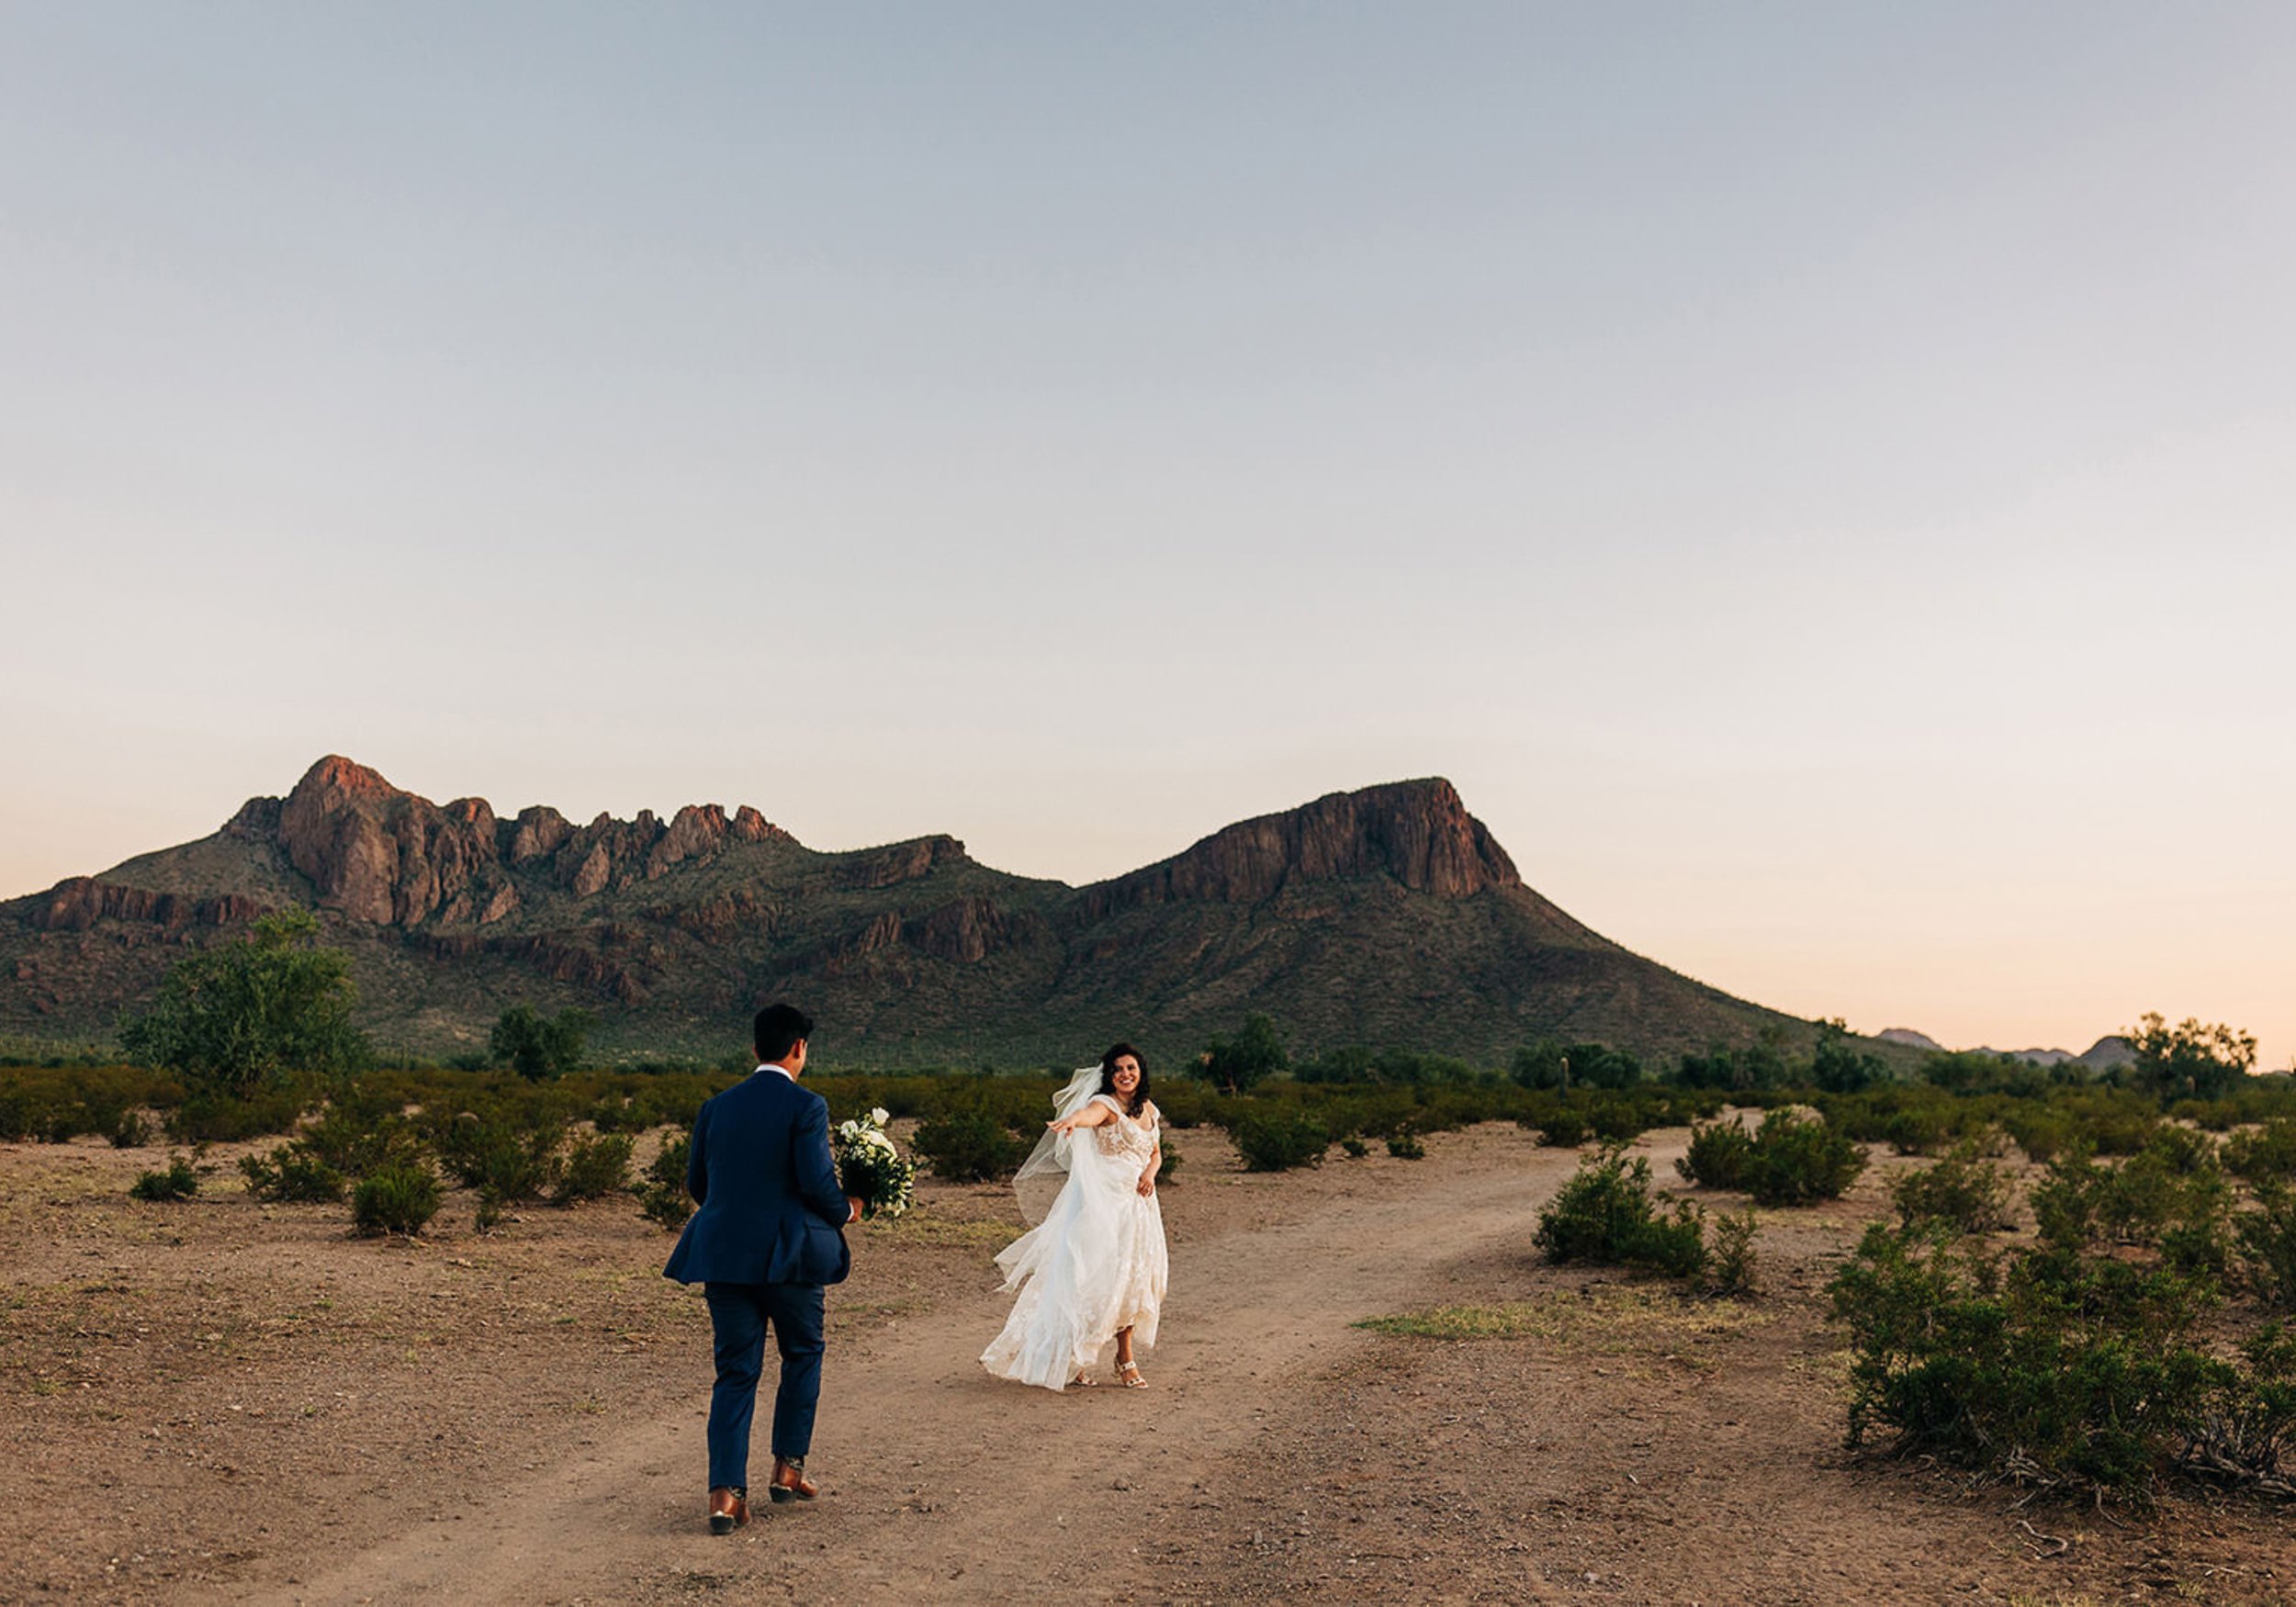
pixel 770 1209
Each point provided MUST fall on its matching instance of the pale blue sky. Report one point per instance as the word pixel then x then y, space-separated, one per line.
pixel 1818 478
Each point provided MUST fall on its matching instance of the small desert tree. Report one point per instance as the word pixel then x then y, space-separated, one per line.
pixel 245 1015
pixel 537 1047
pixel 2189 1060
pixel 1235 1064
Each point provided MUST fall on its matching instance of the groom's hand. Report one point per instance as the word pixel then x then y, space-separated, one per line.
pixel 853 1201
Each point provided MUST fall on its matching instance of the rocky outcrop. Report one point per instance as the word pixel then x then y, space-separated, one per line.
pixel 868 868
pixel 1417 833
pixel 388 857
pixel 76 905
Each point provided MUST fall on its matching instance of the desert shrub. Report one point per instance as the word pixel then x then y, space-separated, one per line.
pixel 130 1130
pixel 361 1126
pixel 1353 1147
pixel 1795 1159
pixel 1615 1121
pixel 1963 1192
pixel 1731 1262
pixel 592 1167
pixel 2043 1131
pixel 491 1154
pixel 2266 1240
pixel 661 1193
pixel 1405 1146
pixel 1563 1129
pixel 2168 1196
pixel 2058 1365
pixel 291 1173
pixel 178 1182
pixel 968 1147
pixel 214 1118
pixel 1167 1166
pixel 1605 1215
pixel 400 1196
pixel 2264 1154
pixel 1838 1069
pixel 1275 1141
pixel 1717 1156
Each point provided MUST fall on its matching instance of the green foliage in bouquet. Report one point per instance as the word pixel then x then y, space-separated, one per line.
pixel 871 1168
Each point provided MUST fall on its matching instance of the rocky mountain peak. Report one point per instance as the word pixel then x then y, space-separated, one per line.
pixel 380 854
pixel 1418 832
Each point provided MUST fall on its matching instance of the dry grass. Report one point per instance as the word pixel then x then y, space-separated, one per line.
pixel 1605 1319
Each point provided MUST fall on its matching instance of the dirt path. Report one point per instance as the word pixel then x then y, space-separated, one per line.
pixel 226 1401
pixel 941 1483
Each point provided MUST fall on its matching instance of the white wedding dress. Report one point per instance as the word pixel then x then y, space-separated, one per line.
pixel 1096 1263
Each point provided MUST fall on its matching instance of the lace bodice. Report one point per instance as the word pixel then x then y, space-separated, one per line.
pixel 1126 1138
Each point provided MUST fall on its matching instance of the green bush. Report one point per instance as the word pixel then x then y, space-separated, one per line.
pixel 1276 1142
pixel 663 1195
pixel 130 1130
pixel 2266 1238
pixel 1405 1146
pixel 1732 1261
pixel 400 1196
pixel 291 1173
pixel 1353 1147
pixel 2264 1154
pixel 1717 1156
pixel 592 1168
pixel 2058 1366
pixel 969 1147
pixel 219 1119
pixel 243 1016
pixel 178 1182
pixel 1795 1160
pixel 1605 1215
pixel 1168 1165
pixel 1565 1128
pixel 1961 1191
pixel 492 1154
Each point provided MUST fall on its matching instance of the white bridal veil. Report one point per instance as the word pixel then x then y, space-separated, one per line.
pixel 1043 1174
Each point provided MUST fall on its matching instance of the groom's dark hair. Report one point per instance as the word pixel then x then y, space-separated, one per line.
pixel 777 1029
pixel 1108 1074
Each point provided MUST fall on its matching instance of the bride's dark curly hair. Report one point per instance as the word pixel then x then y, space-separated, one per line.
pixel 1108 1074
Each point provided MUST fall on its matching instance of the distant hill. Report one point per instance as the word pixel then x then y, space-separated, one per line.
pixel 1910 1038
pixel 2102 1055
pixel 1387 916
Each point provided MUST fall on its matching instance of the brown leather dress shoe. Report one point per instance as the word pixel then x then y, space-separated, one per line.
pixel 730 1509
pixel 790 1483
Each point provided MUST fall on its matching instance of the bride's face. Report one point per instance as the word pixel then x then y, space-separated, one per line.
pixel 1125 1075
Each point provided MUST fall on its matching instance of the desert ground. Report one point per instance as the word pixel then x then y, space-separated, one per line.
pixel 221 1401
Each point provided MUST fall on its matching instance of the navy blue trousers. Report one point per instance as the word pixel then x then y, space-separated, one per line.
pixel 740 1314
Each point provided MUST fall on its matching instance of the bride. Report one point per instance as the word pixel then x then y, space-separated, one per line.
pixel 1093 1268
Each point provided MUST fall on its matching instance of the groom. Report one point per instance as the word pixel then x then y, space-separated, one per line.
pixel 770 1234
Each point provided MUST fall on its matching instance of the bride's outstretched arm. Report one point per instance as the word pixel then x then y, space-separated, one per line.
pixel 1093 1115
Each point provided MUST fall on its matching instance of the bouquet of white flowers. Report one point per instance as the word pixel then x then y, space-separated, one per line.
pixel 869 1168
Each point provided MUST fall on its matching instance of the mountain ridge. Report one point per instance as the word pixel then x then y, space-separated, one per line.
pixel 1385 915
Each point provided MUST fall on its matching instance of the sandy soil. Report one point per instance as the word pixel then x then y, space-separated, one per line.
pixel 219 1401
